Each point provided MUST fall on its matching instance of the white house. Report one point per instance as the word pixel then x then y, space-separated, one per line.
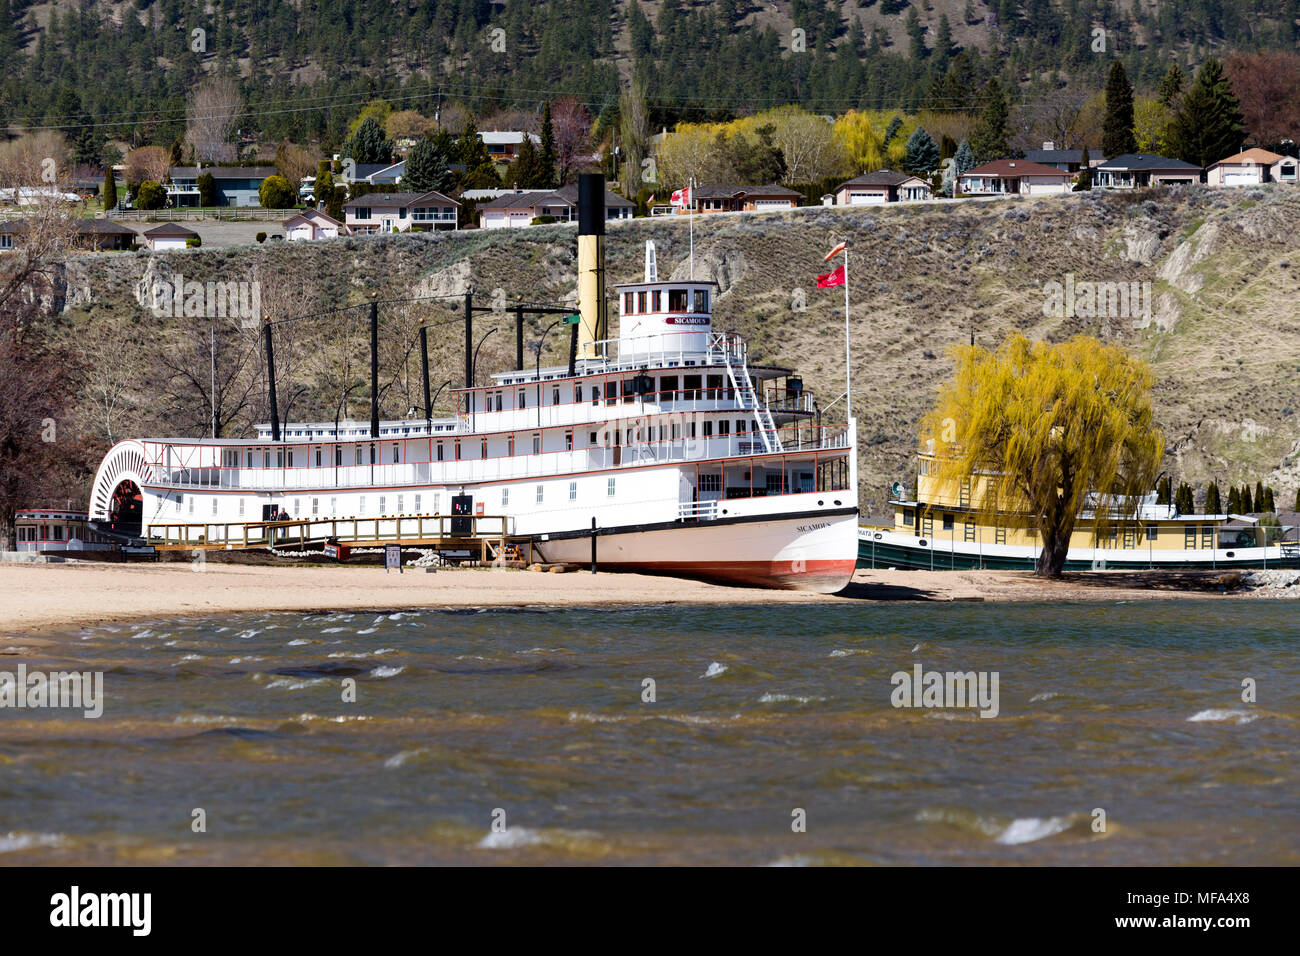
pixel 1015 177
pixel 400 212
pixel 1254 167
pixel 879 186
pixel 169 235
pixel 312 224
pixel 517 209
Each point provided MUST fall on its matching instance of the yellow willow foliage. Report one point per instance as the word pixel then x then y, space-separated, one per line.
pixel 1050 430
pixel 861 134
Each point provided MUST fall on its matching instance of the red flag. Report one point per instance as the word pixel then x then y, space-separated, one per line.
pixel 831 278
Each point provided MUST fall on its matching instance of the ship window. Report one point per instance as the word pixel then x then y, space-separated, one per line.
pixel 315 507
pixel 522 401
pixel 417 504
pixel 691 383
pixel 676 300
pixel 724 427
pixel 573 491
pixel 400 509
pixel 58 528
pixel 397 454
pixel 482 448
pixel 712 482
pixel 909 517
pixel 595 394
pixel 701 300
pixel 655 300
pixel 1153 532
pixel 318 457
pixel 510 445
pixel 361 505
pixel 338 455
pixel 677 431
pixel 568 441
pixel 539 494
pixel 229 459
pixel 334 506
pixel 437 502
pixel 498 401
pixel 458 451
pixel 627 303
pixel 439 451
pixel 611 393
pixel 708 429
pixel 505 497
pixel 241 507
pixel 279 459
pixel 555 395
pixel 640 302
pixel 577 394
pixel 740 424
pixel 250 459
pixel 629 389
pixel 667 386
pixel 383 505
pixel 609 489
pixel 947 522
pixel 537 444
pixel 266 459
pixel 178 502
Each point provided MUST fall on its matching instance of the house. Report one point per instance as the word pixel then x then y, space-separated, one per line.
pixel 387 175
pixel 744 199
pixel 1138 170
pixel 881 185
pixel 400 212
pixel 503 145
pixel 1254 167
pixel 312 224
pixel 518 208
pixel 1070 160
pixel 169 235
pixel 235 185
pixel 1015 177
pixel 93 234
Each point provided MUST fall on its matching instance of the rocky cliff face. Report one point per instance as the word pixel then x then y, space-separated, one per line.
pixel 1209 276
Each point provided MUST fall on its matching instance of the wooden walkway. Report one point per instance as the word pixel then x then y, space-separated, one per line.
pixel 487 536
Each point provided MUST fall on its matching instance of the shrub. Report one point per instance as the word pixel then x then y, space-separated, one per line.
pixel 261 237
pixel 276 193
pixel 543 220
pixel 193 242
pixel 151 195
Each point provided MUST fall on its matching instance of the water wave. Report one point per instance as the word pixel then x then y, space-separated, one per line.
pixel 714 670
pixel 1218 715
pixel 18 840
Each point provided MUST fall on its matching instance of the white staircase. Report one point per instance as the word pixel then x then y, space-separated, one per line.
pixel 749 400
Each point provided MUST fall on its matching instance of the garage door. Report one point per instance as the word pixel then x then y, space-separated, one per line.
pixel 771 204
pixel 1240 179
pixel 865 199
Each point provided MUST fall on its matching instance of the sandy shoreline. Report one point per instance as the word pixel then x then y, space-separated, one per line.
pixel 53 597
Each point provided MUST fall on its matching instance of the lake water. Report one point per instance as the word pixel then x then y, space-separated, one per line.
pixel 763 716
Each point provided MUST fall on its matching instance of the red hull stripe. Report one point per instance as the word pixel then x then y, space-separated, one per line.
pixel 816 575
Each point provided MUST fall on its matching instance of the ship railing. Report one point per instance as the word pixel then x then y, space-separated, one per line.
pixel 608 454
pixel 664 349
pixel 697 510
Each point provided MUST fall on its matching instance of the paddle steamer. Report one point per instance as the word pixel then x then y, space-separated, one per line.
pixel 666 445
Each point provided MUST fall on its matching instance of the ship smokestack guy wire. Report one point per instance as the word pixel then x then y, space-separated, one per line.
pixel 594 326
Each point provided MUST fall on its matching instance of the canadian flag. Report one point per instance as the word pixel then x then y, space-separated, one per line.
pixel 682 197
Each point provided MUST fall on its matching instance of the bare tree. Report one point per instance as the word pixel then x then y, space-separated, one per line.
pixel 214 109
pixel 294 162
pixel 634 132
pixel 148 164
pixel 571 124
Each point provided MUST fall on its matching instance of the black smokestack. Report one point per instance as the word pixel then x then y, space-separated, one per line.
pixel 591 264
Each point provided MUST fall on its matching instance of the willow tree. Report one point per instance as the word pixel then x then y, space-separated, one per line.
pixel 1050 430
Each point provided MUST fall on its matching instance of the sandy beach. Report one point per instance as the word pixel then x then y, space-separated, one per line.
pixel 35 598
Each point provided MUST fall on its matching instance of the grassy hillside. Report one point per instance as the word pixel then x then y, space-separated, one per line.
pixel 1223 334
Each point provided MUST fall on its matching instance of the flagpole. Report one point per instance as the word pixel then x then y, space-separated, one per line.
pixel 848 357
pixel 691 217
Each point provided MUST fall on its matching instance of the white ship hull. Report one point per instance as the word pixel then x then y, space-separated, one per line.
pixel 809 552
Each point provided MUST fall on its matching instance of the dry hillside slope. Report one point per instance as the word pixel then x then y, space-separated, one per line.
pixel 1223 335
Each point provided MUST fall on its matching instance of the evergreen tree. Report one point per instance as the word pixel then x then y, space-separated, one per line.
pixel 547 158
pixel 1259 496
pixel 527 170
pixel 922 156
pixel 944 48
pixel 480 171
pixel 426 169
pixel 368 144
pixel 110 189
pixel 1117 136
pixel 989 138
pixel 964 158
pixel 1234 501
pixel 1269 504
pixel 1171 87
pixel 1163 491
pixel 1297 499
pixel 916 35
pixel 1085 172
pixel 892 129
pixel 207 187
pixel 1212 502
pixel 1247 505
pixel 1208 125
